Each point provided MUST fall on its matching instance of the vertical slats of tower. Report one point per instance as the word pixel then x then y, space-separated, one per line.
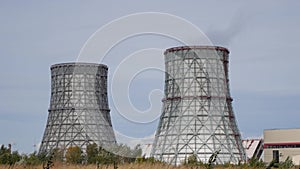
pixel 197 115
pixel 78 113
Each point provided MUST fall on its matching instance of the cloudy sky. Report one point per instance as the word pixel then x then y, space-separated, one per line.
pixel 262 36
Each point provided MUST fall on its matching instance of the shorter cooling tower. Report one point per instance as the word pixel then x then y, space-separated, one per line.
pixel 79 112
pixel 197 117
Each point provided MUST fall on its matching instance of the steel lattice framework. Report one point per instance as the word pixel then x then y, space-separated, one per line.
pixel 197 116
pixel 79 112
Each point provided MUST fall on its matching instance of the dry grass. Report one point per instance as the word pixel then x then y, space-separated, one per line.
pixel 123 166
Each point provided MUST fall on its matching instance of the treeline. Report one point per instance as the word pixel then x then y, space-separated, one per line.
pixel 94 154
pixel 115 156
pixel 7 156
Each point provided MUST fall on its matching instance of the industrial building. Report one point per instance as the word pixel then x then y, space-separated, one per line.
pixel 79 112
pixel 280 144
pixel 197 116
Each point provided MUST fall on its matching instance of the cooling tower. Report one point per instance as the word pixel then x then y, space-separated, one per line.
pixel 79 112
pixel 197 116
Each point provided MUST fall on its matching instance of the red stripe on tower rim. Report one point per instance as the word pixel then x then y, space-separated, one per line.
pixel 196 47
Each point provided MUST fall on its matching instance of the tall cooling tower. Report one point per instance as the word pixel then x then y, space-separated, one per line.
pixel 79 112
pixel 197 117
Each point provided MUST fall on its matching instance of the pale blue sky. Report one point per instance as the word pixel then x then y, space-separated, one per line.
pixel 263 37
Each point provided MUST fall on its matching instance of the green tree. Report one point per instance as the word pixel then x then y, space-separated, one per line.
pixel 288 163
pixel 103 157
pixel 5 158
pixel 92 153
pixel 192 160
pixel 74 155
pixel 256 163
pixel 8 157
pixel 57 155
pixel 15 157
pixel 4 155
pixel 137 151
pixel 34 158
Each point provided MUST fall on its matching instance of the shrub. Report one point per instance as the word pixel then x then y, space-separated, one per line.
pixel 74 155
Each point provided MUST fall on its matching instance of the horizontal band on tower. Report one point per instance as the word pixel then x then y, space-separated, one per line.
pixel 74 64
pixel 198 97
pixel 72 108
pixel 196 47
